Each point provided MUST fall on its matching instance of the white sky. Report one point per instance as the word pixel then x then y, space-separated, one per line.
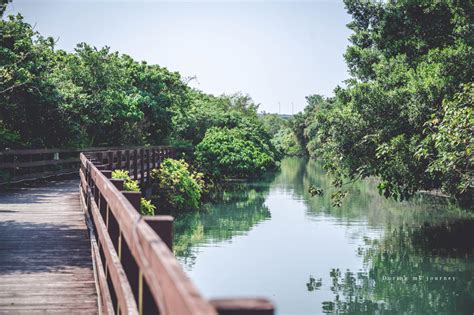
pixel 275 51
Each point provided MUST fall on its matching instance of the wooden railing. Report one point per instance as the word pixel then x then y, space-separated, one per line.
pixel 31 164
pixel 135 269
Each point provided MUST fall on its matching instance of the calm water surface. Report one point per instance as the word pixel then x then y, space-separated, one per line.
pixel 372 255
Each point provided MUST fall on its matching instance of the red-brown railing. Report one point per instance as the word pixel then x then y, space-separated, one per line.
pixel 135 269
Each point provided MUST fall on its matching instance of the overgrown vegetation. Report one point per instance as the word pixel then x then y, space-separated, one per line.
pixel 236 152
pixel 146 207
pixel 406 114
pixel 176 186
pixel 95 97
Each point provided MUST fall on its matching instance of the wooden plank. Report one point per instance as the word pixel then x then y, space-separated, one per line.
pixel 28 164
pixel 45 256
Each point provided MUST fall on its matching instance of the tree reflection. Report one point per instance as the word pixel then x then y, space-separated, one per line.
pixel 419 261
pixel 313 284
pixel 234 211
pixel 416 270
pixel 422 264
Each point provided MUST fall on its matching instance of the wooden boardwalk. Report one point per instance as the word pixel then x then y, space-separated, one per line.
pixel 45 254
pixel 48 263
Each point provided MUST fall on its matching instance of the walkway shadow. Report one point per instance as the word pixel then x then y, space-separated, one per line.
pixel 27 247
pixel 37 192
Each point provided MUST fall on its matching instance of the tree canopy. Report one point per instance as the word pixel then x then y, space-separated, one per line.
pixel 96 97
pixel 406 114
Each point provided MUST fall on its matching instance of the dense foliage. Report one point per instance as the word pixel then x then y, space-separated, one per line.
pixel 95 97
pixel 176 186
pixel 206 111
pixel 405 116
pixel 91 97
pixel 283 138
pixel 146 207
pixel 236 152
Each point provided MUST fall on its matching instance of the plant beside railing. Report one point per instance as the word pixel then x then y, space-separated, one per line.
pixel 146 207
pixel 176 186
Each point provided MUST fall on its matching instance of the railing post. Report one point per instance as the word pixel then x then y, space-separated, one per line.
pixel 111 160
pixel 153 157
pixel 135 164
pixel 148 302
pixel 160 156
pixel 119 159
pixel 142 166
pixel 100 157
pixel 127 159
pixel 163 226
pixel 148 165
pixel 128 262
pixel 118 183
pixel 134 198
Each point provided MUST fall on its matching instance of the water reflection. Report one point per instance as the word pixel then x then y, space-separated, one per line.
pixel 372 255
pixel 413 269
pixel 235 210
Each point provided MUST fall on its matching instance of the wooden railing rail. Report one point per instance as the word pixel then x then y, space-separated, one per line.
pixel 31 164
pixel 137 161
pixel 135 268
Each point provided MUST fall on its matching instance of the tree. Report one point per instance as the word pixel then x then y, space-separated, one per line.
pixel 235 152
pixel 405 70
pixel 30 104
pixel 116 100
pixel 206 111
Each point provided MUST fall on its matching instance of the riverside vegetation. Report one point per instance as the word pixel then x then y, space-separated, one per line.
pixel 405 116
pixel 95 97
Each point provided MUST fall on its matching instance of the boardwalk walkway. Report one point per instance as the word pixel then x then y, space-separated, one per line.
pixel 45 255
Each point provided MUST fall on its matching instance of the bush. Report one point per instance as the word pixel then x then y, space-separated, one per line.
pixel 128 184
pixel 176 186
pixel 234 153
pixel 146 207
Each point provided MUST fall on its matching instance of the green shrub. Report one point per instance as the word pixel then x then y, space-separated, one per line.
pixel 235 152
pixel 146 207
pixel 128 183
pixel 176 186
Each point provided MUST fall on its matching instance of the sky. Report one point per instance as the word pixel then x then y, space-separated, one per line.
pixel 277 52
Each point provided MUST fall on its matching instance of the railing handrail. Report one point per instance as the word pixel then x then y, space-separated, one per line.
pixel 72 150
pixel 31 164
pixel 135 269
pixel 168 283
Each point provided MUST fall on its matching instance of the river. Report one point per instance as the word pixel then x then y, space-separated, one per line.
pixel 271 239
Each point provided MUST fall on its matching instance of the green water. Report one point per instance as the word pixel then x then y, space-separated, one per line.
pixel 271 239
